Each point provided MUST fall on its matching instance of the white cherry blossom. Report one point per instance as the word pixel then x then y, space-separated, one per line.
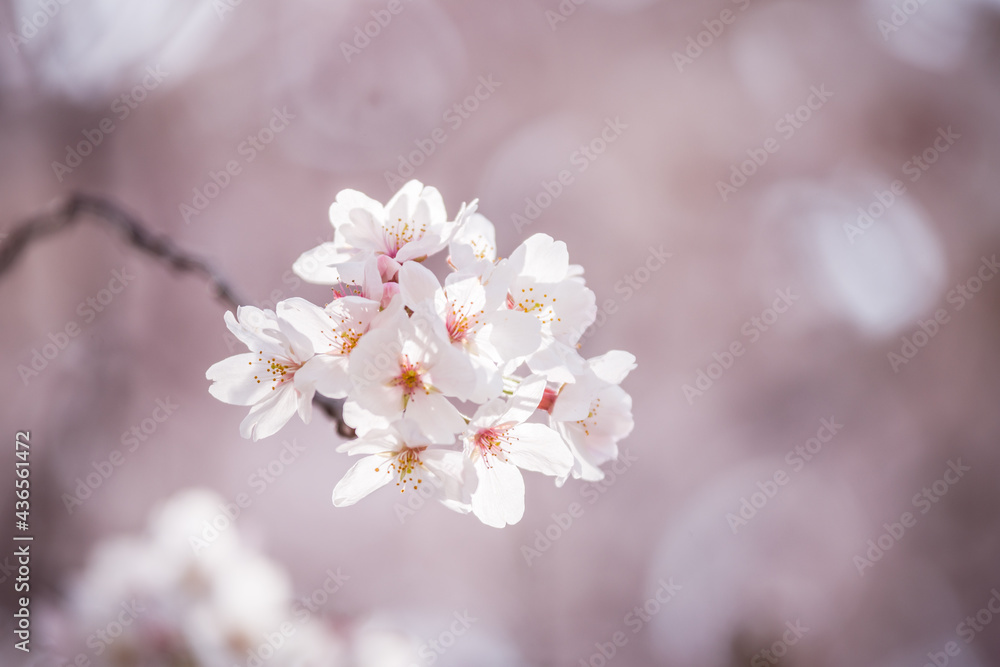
pixel 423 360
pixel 402 455
pixel 498 443
pixel 275 378
pixel 594 413
pixel 411 225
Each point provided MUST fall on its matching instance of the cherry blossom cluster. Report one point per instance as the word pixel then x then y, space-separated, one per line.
pixel 453 387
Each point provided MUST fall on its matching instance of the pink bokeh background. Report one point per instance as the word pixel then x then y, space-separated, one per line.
pixel 682 127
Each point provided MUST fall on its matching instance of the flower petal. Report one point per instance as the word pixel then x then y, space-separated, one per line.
pixel 540 449
pixel 233 380
pixel 365 476
pixel 267 417
pixel 499 496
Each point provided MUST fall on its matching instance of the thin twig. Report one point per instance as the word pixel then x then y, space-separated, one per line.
pixel 136 233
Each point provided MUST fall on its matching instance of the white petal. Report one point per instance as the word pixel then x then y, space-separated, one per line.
pixel 319 265
pixel 613 366
pixel 310 320
pixel 436 416
pixel 452 373
pixel 541 258
pixel 499 496
pixel 556 361
pixel 233 380
pixel 267 417
pixel 539 448
pixel 417 285
pixel 362 479
pixel 326 374
pixel 525 400
pixel 363 421
pixel 514 334
pixel 449 469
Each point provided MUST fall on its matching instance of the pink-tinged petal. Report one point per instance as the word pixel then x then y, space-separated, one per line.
pixel 538 448
pixel 524 401
pixel 613 366
pixel 388 267
pixel 389 292
pixel 499 496
pixel 326 374
pixel 514 334
pixel 233 380
pixel 436 416
pixel 365 476
pixel 267 417
pixel 363 421
pixel 320 264
pixel 417 285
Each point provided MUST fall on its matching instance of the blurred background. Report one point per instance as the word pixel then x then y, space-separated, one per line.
pixel 812 475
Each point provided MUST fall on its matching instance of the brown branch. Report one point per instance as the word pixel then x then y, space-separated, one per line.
pixel 80 207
